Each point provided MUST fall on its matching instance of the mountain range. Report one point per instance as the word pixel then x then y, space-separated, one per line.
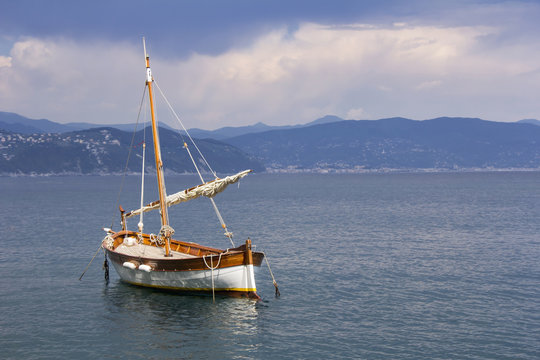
pixel 229 132
pixel 20 124
pixel 530 121
pixel 329 144
pixel 104 151
pixel 397 143
pixel 23 125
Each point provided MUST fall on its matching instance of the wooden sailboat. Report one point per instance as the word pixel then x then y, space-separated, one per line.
pixel 160 261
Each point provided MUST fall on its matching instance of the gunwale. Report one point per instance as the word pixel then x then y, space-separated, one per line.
pixel 240 255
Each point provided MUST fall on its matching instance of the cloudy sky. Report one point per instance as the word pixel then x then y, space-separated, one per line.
pixel 230 63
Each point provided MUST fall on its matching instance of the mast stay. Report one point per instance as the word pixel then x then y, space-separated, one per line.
pixel 227 233
pixel 207 189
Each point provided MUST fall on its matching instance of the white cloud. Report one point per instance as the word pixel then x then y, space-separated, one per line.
pixel 67 81
pixel 428 85
pixel 355 114
pixel 32 53
pixel 283 78
pixel 5 61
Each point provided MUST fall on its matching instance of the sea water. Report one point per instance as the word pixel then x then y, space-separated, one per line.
pixel 369 266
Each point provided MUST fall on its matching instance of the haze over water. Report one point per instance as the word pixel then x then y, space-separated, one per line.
pixel 376 266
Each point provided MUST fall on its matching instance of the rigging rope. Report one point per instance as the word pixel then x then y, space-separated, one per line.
pixel 141 224
pixel 220 218
pixel 223 225
pixel 128 157
pixel 194 163
pixel 185 130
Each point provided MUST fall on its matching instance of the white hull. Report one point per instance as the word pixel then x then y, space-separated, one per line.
pixel 237 278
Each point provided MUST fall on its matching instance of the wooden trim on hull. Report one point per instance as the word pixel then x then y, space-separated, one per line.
pixel 230 257
pixel 167 264
pixel 237 293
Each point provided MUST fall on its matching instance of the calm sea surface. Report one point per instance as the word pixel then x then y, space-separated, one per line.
pixel 378 266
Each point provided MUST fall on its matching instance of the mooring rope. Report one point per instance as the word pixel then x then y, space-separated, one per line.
pixel 278 294
pixel 87 266
pixel 211 256
pixel 212 268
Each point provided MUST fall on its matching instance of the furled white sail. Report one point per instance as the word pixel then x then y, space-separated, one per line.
pixel 209 189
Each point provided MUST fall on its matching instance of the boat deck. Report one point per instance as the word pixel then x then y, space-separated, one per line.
pixel 146 251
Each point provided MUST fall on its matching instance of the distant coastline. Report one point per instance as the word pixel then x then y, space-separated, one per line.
pixel 297 171
pixel 397 170
pixel 329 145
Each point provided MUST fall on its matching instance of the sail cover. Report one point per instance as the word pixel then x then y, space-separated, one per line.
pixel 209 189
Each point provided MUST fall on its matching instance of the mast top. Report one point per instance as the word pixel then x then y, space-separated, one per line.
pixel 144 47
pixel 147 60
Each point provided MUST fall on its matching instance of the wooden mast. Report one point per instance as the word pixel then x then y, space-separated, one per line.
pixel 159 163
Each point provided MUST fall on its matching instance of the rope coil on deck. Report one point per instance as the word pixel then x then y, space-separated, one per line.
pixel 154 239
pixel 109 242
pixel 166 231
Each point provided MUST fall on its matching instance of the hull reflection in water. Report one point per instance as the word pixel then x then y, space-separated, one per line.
pixel 164 325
